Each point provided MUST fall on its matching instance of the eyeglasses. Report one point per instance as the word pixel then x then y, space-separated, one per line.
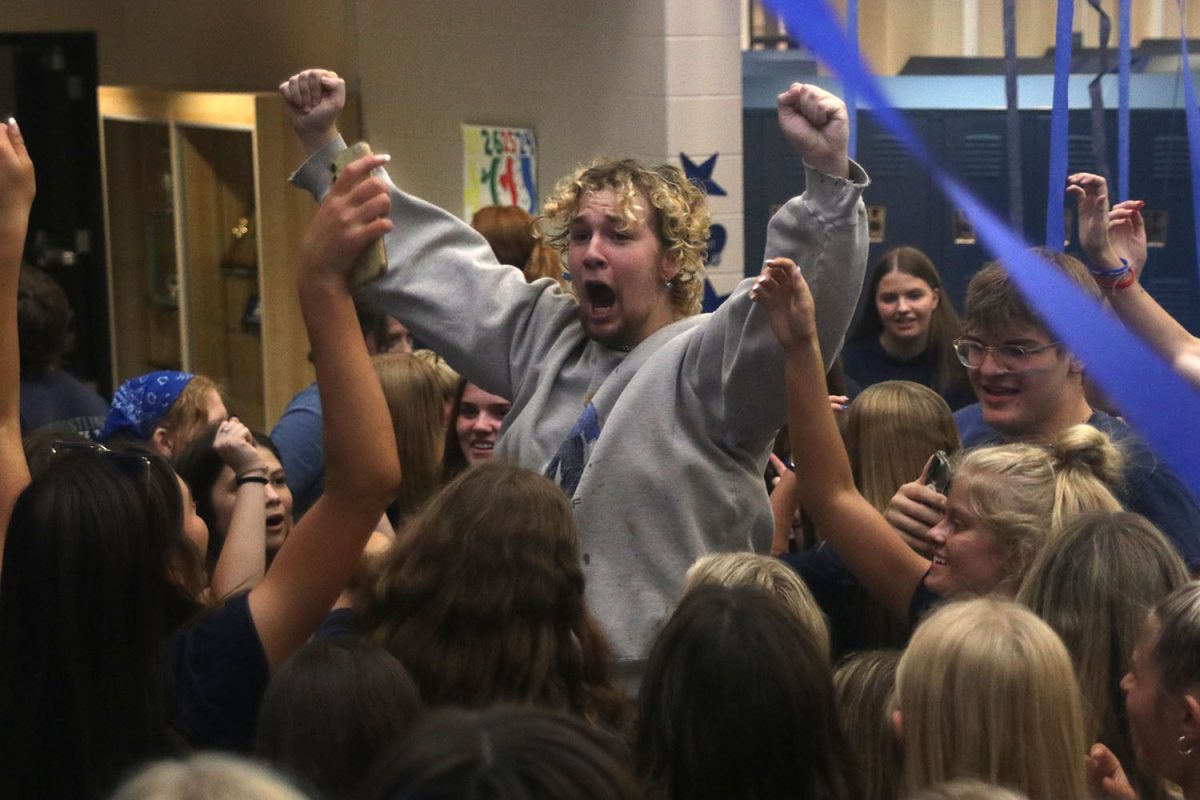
pixel 1008 357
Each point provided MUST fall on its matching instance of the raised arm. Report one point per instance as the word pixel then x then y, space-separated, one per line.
pixel 315 97
pixel 243 559
pixel 443 278
pixel 1115 244
pixel 362 470
pixel 17 188
pixel 824 481
pixel 823 230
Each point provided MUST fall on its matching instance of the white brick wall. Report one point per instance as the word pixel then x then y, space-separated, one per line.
pixel 703 81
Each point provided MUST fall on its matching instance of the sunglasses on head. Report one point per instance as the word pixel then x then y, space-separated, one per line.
pixel 133 464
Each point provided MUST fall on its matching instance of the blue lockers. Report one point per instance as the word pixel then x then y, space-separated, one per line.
pixel 962 120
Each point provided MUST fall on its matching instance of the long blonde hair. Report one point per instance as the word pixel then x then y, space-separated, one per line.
pixel 1094 585
pixel 1025 493
pixel 967 789
pixel 892 429
pixel 208 776
pixel 413 392
pixel 987 690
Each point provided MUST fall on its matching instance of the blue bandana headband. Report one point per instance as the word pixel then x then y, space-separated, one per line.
pixel 142 402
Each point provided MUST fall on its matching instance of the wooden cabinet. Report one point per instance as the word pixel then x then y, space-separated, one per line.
pixel 203 234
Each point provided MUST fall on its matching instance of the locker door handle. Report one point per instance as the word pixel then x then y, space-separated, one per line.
pixel 877 223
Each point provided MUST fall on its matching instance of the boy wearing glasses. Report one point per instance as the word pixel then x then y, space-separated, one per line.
pixel 1030 388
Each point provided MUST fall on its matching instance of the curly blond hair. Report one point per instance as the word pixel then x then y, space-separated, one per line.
pixel 680 219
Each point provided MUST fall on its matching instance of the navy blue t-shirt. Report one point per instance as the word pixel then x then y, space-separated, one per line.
pixel 856 620
pixel 217 673
pixel 867 363
pixel 923 601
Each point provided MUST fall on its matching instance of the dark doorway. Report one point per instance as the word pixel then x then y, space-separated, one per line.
pixel 48 82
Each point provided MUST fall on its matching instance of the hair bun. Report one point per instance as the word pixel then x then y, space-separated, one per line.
pixel 1083 447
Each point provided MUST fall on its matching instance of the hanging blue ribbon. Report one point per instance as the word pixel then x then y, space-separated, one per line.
pixel 1012 119
pixel 1058 128
pixel 1123 59
pixel 1153 397
pixel 851 97
pixel 1192 112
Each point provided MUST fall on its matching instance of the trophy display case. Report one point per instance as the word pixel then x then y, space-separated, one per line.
pixel 203 234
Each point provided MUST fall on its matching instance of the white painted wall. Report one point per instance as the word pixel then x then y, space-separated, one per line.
pixel 703 95
pixel 586 77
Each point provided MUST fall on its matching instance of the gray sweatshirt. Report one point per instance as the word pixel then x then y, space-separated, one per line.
pixel 685 421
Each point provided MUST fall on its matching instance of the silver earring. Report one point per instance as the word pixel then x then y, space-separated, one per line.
pixel 1183 746
pixel 670 284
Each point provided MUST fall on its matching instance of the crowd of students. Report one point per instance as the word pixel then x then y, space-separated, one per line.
pixel 522 563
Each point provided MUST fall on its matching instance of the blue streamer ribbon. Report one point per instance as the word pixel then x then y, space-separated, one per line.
pixel 851 97
pixel 1123 59
pixel 1058 127
pixel 1153 397
pixel 1192 112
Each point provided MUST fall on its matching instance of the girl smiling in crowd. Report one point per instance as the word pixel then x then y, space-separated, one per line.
pixel 475 421
pixel 907 330
pixel 1002 500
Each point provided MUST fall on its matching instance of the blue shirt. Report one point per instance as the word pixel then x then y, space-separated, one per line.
pixel 301 451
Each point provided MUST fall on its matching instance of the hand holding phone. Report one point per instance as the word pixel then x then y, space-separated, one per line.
pixel 918 506
pixel 938 476
pixel 373 261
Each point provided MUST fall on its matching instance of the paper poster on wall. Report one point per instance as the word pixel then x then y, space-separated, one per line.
pixel 499 168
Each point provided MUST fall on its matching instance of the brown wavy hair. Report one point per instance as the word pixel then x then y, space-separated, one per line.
pixel 680 217
pixel 481 599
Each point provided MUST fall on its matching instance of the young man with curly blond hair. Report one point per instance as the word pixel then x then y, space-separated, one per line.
pixel 656 420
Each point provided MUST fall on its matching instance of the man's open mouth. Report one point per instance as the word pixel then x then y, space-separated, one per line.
pixel 600 295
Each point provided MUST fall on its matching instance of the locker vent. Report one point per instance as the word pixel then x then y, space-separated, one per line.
pixel 1170 157
pixel 793 163
pixel 1079 154
pixel 983 155
pixel 888 157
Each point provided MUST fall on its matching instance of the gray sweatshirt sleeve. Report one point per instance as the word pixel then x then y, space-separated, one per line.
pixel 737 365
pixel 444 282
pixel 824 231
